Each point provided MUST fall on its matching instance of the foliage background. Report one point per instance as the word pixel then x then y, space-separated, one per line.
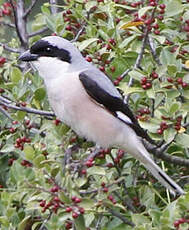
pixel 47 179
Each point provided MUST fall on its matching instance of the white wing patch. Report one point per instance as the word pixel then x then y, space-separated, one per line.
pixel 123 117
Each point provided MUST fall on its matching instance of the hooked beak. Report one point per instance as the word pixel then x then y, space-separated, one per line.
pixel 27 56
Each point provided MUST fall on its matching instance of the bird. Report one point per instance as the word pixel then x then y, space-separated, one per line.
pixel 85 99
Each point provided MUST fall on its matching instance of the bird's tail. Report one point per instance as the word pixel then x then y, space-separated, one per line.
pixel 159 174
pixel 163 178
pixel 144 157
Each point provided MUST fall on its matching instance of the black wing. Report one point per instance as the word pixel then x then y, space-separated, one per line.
pixel 114 104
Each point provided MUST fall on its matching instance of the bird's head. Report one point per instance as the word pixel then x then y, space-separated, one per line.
pixel 52 56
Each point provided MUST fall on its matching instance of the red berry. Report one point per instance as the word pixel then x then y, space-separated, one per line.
pixel 148 21
pixel 42 203
pixel 179 80
pixel 2 61
pixel 68 11
pixel 144 80
pixel 154 75
pixel 184 85
pixel 7 12
pixel 176 224
pixel 56 122
pixel 56 199
pixel 75 215
pixel 169 79
pixel 89 163
pixel 160 131
pixel 162 11
pixel 162 6
pixel 81 210
pixel 68 209
pixel 54 189
pixel 89 59
pixel 148 85
pixel 103 184
pixel 77 200
pixel 112 68
pixel 105 189
pixel 116 82
pixel 112 41
pixel 160 17
pixel 69 27
pixel 84 171
pixel 110 165
pixel 101 68
pixel 12 130
pixel 156 26
pixel 157 32
pixel 110 197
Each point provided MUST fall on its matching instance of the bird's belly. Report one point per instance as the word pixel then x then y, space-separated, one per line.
pixel 76 109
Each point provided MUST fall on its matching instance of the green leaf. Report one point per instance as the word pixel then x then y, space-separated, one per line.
pixel 50 23
pixel 183 139
pixel 40 94
pixel 127 41
pixel 16 75
pixel 29 152
pixel 25 222
pixel 83 45
pixel 96 170
pixel 143 10
pixel 169 134
pixel 172 93
pixel 174 107
pixel 172 69
pixel 80 223
pixel 174 7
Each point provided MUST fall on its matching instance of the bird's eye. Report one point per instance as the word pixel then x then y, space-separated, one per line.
pixel 48 49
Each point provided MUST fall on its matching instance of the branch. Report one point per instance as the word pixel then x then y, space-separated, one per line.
pixel 10 49
pixel 29 9
pixel 153 50
pixel 7 103
pixel 121 217
pixel 53 7
pixel 20 22
pixel 80 31
pixel 38 32
pixel 5 113
pixel 7 24
pixel 167 157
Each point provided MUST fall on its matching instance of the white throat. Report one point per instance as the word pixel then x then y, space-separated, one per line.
pixel 50 68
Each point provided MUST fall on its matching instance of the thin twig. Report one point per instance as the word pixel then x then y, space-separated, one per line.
pixel 153 50
pixel 121 217
pixel 79 33
pixel 38 32
pixel 53 7
pixel 45 221
pixel 10 49
pixel 98 224
pixel 5 113
pixel 29 9
pixel 26 109
pixel 7 24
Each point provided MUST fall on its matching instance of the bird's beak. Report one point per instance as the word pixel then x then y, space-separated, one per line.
pixel 27 56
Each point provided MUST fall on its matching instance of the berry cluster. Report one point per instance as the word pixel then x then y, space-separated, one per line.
pixel 55 203
pixel 177 82
pixel 177 223
pixel 21 141
pixel 164 125
pixel 105 190
pixel 146 82
pixel 6 9
pixel 72 24
pixel 26 163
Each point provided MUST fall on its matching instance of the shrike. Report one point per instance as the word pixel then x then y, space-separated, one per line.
pixel 85 99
